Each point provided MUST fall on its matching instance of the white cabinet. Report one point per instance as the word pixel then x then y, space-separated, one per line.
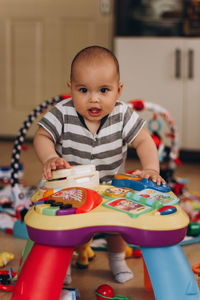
pixel 165 71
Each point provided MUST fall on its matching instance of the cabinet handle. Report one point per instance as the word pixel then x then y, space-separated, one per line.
pixel 178 63
pixel 190 64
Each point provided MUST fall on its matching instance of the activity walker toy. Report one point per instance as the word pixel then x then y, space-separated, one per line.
pixel 71 215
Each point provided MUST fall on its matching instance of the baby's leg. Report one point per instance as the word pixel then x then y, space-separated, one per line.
pixel 116 256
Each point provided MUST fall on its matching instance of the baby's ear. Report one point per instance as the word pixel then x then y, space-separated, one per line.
pixel 120 87
pixel 69 84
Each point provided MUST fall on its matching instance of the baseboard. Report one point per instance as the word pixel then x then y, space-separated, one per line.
pixel 184 155
pixel 12 139
pixel 190 156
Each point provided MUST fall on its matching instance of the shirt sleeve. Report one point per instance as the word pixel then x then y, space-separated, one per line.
pixel 133 124
pixel 53 123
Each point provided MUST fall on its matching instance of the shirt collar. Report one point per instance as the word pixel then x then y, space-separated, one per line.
pixel 103 120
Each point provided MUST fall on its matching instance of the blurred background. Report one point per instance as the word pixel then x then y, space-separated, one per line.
pixel 157 43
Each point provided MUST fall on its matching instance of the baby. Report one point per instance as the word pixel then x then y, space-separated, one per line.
pixel 94 127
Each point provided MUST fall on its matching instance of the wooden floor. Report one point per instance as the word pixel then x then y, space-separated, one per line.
pixel 98 272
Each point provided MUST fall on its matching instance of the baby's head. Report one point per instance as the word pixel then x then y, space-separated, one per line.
pixel 93 55
pixel 94 82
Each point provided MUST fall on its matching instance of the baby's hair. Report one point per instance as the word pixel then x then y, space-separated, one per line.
pixel 91 53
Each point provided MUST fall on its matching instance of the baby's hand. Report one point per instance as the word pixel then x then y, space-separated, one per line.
pixel 150 174
pixel 53 164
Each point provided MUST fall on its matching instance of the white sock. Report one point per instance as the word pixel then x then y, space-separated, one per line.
pixel 68 278
pixel 118 266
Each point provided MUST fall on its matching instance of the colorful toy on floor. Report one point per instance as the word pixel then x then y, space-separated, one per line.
pixel 5 257
pixel 137 253
pixel 70 294
pixel 196 270
pixel 85 255
pixel 193 229
pixel 190 202
pixel 7 280
pixel 13 203
pixel 71 216
pixel 105 291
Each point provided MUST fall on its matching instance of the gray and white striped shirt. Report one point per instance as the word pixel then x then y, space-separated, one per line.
pixel 106 149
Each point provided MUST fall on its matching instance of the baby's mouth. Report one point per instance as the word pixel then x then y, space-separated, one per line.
pixel 94 111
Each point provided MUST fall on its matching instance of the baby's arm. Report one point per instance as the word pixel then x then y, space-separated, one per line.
pixel 148 155
pixel 45 149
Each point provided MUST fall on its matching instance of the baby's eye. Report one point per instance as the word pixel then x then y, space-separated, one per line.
pixel 104 90
pixel 83 90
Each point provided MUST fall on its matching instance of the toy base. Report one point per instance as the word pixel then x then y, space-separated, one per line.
pixel 43 273
pixel 170 273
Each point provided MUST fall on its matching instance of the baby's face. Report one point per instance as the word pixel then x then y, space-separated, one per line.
pixel 95 88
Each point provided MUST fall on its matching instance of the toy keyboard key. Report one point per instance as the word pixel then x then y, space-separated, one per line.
pixel 39 208
pixel 69 211
pixel 50 211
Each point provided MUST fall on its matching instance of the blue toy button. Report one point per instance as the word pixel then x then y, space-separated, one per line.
pixel 167 210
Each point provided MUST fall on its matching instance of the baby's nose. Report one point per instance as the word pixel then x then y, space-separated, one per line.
pixel 94 98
